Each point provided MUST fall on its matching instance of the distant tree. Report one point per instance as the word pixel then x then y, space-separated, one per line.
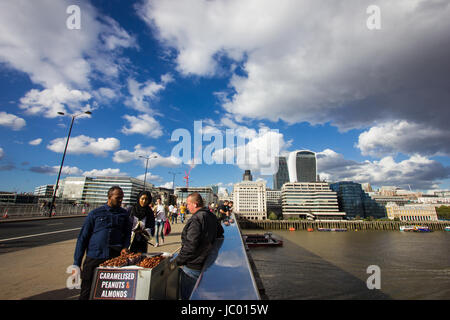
pixel 443 212
pixel 272 216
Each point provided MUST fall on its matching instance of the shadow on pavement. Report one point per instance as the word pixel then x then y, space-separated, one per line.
pixel 60 294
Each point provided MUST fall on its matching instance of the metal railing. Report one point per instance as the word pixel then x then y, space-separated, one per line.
pixel 227 274
pixel 17 211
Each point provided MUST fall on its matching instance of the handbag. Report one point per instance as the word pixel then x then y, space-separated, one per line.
pixel 167 228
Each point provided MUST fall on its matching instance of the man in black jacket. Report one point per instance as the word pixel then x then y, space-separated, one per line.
pixel 197 240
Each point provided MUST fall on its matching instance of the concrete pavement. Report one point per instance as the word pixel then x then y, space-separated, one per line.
pixel 40 273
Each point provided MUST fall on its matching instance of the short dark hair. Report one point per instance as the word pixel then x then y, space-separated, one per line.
pixel 111 190
pixel 197 199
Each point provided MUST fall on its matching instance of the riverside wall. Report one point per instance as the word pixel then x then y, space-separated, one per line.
pixel 350 225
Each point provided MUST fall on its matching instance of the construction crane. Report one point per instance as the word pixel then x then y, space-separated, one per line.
pixel 186 177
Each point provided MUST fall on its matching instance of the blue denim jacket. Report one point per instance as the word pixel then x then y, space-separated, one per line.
pixel 104 228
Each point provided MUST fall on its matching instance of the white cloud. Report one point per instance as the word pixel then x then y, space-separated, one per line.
pixel 315 61
pixel 142 94
pixel 49 102
pixel 143 124
pixel 167 185
pixel 11 120
pixel 151 178
pixel 35 40
pixel 35 142
pixel 104 172
pixel 417 171
pixel 66 170
pixel 406 137
pixel 85 145
pixel 124 156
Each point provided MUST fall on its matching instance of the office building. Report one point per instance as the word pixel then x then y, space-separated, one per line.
pixel 282 175
pixel 355 202
pixel 207 194
pixel 249 200
pixel 411 212
pixel 302 166
pixel 314 200
pixel 44 191
pixel 94 190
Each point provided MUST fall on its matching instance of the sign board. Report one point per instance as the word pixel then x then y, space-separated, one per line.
pixel 115 284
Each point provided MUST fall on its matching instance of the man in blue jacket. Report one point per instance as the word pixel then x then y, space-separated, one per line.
pixel 105 234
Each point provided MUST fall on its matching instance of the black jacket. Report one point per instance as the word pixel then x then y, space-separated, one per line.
pixel 197 239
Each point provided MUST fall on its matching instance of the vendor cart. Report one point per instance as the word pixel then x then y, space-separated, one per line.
pixel 133 282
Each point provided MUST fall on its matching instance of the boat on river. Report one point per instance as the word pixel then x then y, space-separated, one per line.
pixel 415 228
pixel 447 228
pixel 261 240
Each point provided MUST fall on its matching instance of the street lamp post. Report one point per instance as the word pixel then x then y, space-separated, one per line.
pixel 146 165
pixel 62 161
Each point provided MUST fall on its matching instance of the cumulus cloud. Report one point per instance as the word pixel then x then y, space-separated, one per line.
pixel 49 102
pixel 35 40
pixel 143 93
pixel 151 178
pixel 66 170
pixel 143 124
pixel 419 172
pixel 316 61
pixel 85 145
pixel 124 156
pixel 104 172
pixel 11 120
pixel 405 137
pixel 35 142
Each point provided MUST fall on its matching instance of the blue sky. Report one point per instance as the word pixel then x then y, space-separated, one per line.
pixel 373 103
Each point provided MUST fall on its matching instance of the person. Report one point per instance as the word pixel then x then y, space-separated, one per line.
pixel 182 211
pixel 223 211
pixel 105 234
pixel 174 214
pixel 160 219
pixel 197 240
pixel 143 221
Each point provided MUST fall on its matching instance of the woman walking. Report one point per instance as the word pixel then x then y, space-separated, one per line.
pixel 160 219
pixel 143 221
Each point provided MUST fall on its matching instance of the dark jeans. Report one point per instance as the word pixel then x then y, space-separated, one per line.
pixel 87 273
pixel 187 282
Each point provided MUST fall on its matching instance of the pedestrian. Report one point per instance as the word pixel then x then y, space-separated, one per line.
pixel 160 219
pixel 174 214
pixel 223 211
pixel 143 221
pixel 197 240
pixel 105 234
pixel 182 212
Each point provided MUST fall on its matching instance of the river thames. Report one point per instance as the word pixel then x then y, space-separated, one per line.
pixel 333 265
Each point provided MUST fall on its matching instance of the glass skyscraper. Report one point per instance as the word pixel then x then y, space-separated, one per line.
pixel 282 175
pixel 355 202
pixel 302 166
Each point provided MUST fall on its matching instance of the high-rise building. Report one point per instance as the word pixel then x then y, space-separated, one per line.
pixel 313 200
pixel 249 200
pixel 94 190
pixel 247 176
pixel 302 166
pixel 355 202
pixel 207 194
pixel 44 191
pixel 282 175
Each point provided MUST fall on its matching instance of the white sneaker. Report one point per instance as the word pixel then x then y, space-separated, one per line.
pixel 156 245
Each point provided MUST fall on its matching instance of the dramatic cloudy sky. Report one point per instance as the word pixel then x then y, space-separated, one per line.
pixel 274 76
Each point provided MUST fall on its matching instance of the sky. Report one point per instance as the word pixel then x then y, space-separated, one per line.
pixel 212 88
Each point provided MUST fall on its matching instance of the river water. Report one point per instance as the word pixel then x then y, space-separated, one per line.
pixel 333 265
